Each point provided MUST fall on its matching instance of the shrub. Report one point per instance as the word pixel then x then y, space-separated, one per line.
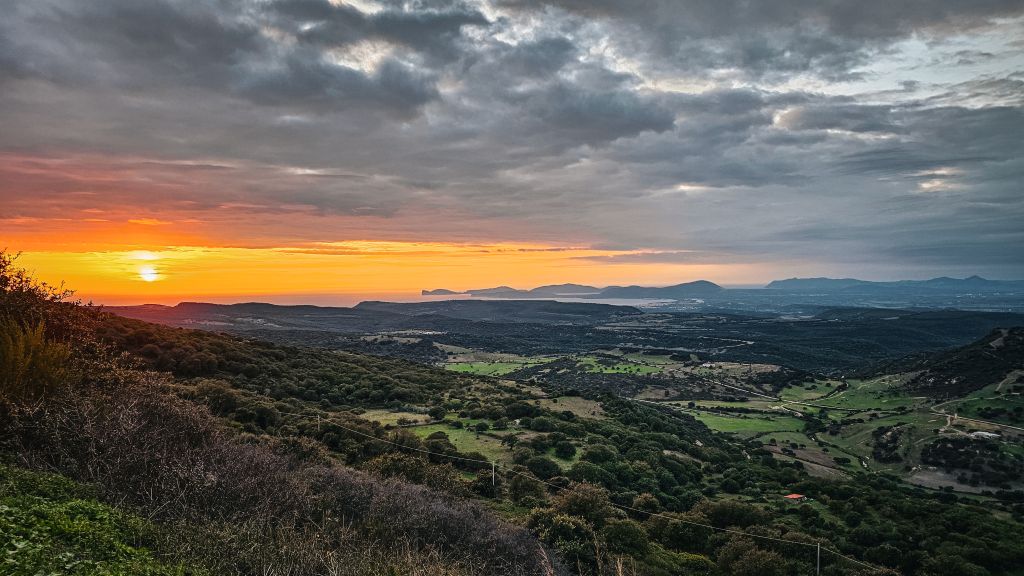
pixel 31 366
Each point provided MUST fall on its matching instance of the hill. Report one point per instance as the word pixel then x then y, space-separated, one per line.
pixel 964 370
pixel 698 289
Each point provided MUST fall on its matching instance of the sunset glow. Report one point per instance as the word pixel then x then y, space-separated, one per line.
pixel 342 272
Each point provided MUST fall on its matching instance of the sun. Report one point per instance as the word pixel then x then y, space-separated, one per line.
pixel 148 273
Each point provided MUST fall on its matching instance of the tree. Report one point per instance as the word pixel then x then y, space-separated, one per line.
pixel 948 565
pixel 523 487
pixel 543 468
pixel 731 513
pixel 740 557
pixel 437 413
pixel 626 537
pixel 572 537
pixel 599 453
pixel 586 501
pixel 592 473
pixel 565 449
pixel 646 502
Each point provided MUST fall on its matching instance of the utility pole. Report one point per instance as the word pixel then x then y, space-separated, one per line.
pixel 818 571
pixel 492 473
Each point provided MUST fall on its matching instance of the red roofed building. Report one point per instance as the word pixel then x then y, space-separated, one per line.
pixel 795 497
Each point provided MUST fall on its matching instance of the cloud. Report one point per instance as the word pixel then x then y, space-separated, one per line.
pixel 763 39
pixel 669 257
pixel 879 136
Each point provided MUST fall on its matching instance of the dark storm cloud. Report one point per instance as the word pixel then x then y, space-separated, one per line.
pixel 435 32
pixel 225 47
pixel 306 82
pixel 687 131
pixel 762 38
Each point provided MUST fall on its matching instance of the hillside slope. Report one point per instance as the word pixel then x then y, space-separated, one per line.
pixel 970 368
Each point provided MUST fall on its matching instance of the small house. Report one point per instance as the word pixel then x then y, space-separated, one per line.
pixel 795 498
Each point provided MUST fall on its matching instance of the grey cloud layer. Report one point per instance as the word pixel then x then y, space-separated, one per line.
pixel 669 126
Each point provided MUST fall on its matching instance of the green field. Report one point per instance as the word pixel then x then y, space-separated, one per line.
pixel 807 392
pixel 469 441
pixel 591 364
pixel 749 424
pixel 876 394
pixel 649 359
pixel 750 405
pixel 487 368
pixel 391 417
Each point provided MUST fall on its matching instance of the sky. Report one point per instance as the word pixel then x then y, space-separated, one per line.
pixel 316 150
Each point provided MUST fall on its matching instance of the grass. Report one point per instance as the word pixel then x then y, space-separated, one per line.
pixel 749 425
pixel 785 438
pixel 386 417
pixel 489 368
pixel 650 359
pixel 875 394
pixel 469 441
pixel 751 404
pixel 990 396
pixel 49 525
pixel 591 364
pixel 805 393
pixel 579 406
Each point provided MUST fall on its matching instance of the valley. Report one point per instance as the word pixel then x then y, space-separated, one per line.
pixel 804 390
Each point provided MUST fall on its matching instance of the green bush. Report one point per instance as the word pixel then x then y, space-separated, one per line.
pixel 47 526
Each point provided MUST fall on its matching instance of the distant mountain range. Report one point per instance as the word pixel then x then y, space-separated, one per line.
pixel 946 284
pixel 698 289
pixel 706 289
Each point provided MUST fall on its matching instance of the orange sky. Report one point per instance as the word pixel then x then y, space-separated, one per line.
pixel 348 270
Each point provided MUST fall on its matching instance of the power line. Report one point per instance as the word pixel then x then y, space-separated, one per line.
pixel 509 470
